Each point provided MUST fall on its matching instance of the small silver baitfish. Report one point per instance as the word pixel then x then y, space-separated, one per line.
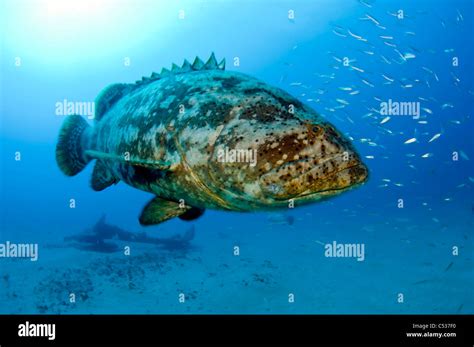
pixel 200 137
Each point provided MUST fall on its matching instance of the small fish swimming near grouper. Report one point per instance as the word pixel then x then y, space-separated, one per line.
pixel 164 135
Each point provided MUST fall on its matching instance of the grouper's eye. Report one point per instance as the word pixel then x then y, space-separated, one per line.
pixel 317 130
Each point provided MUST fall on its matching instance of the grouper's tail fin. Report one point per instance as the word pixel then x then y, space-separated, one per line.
pixel 71 145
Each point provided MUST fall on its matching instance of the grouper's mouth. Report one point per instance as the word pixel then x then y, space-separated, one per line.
pixel 312 186
pixel 357 174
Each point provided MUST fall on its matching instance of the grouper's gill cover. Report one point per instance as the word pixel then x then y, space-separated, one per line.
pixel 200 137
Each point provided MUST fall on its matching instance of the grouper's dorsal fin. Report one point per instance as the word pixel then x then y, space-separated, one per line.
pixel 197 65
pixel 108 97
pixel 111 94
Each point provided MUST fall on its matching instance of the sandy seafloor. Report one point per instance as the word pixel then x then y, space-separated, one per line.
pixel 275 260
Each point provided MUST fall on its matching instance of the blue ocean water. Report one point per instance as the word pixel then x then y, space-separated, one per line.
pixel 343 58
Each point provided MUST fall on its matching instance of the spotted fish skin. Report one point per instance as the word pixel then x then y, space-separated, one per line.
pixel 164 136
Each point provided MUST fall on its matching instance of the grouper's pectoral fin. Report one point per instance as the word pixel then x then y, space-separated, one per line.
pixel 192 214
pixel 160 210
pixel 102 177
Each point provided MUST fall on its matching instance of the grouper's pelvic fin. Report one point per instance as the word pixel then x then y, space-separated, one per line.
pixel 160 210
pixel 70 150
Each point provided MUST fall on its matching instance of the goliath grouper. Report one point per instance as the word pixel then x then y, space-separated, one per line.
pixel 166 134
